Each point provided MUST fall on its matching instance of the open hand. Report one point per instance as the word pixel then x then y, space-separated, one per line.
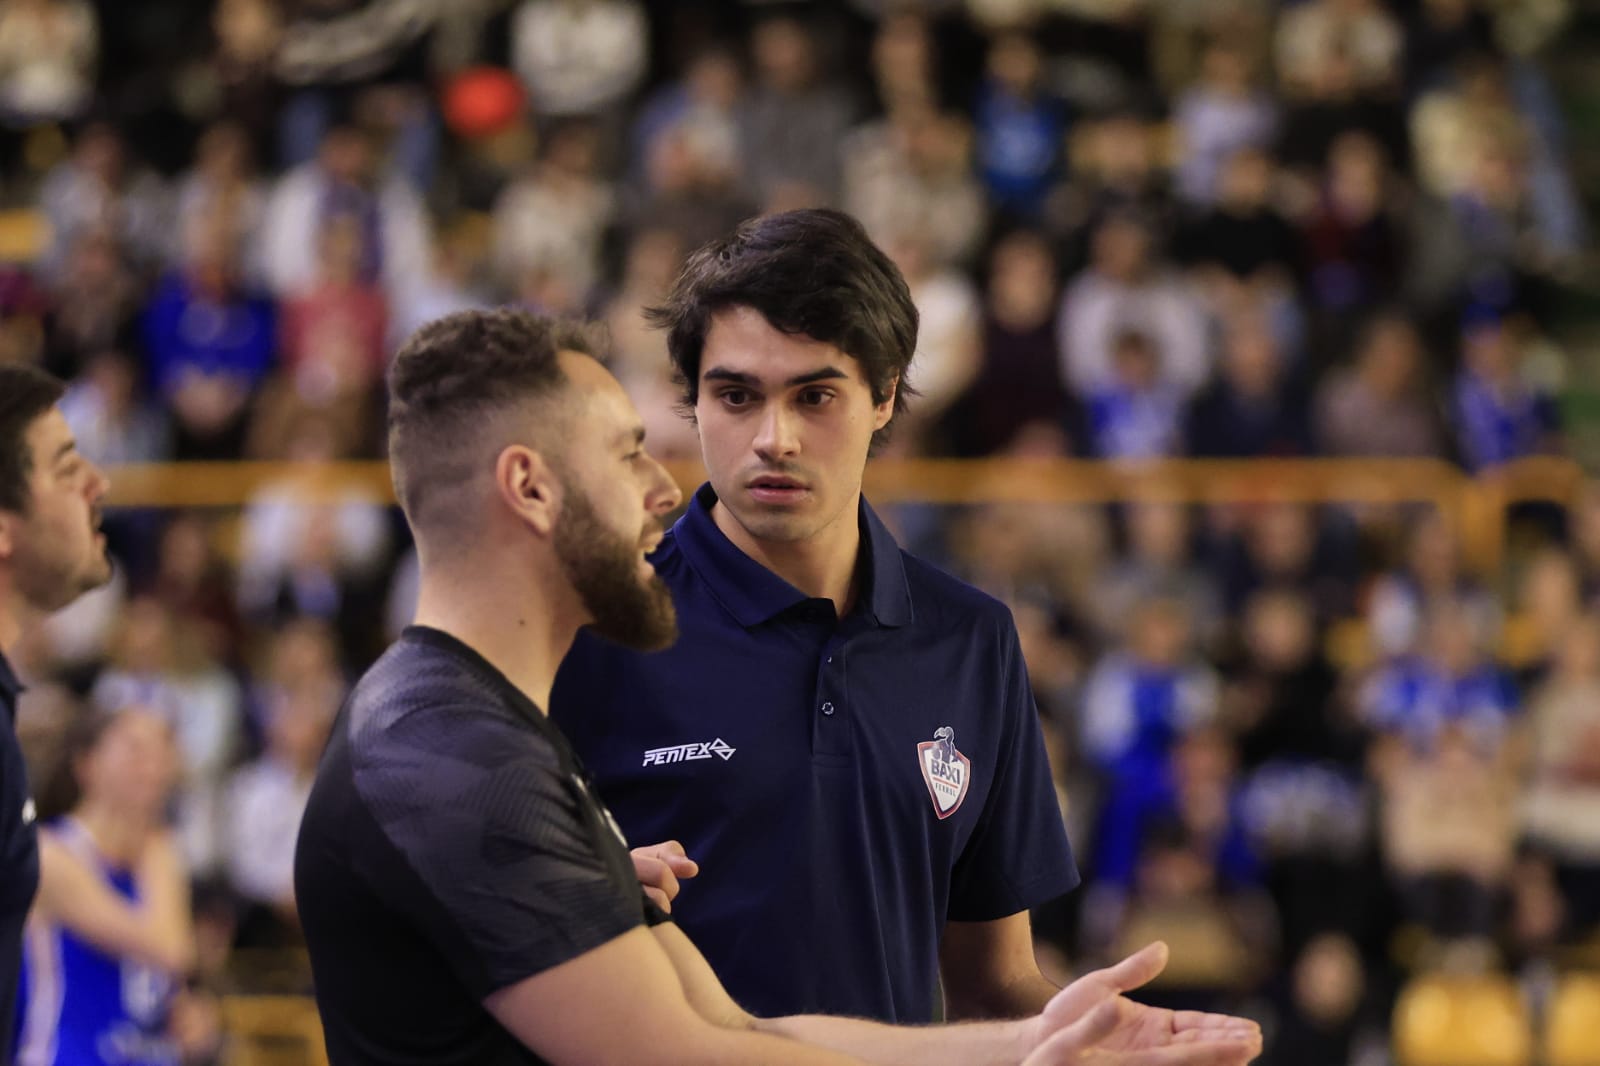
pixel 1091 1021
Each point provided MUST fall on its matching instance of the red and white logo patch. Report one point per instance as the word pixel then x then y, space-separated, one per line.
pixel 946 771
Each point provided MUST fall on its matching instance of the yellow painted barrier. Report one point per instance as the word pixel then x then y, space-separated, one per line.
pixel 1475 506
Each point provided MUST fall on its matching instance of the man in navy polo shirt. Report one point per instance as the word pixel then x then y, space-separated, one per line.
pixel 51 551
pixel 843 736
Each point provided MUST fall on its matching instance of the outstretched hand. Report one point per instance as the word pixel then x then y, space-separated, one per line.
pixel 1091 1021
pixel 660 867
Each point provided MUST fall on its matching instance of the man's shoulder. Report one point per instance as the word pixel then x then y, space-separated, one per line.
pixel 942 603
pixel 422 705
pixel 938 594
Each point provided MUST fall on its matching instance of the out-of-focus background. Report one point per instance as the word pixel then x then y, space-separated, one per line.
pixel 1328 719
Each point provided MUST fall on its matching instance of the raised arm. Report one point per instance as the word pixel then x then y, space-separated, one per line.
pixel 624 1002
pixel 156 931
pixel 649 996
pixel 1089 1016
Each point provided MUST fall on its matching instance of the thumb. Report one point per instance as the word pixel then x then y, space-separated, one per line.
pixel 676 857
pixel 1068 1044
pixel 1140 968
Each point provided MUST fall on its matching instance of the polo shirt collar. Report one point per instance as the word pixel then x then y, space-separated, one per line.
pixel 753 594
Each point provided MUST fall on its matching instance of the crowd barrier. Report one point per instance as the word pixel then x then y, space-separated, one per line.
pixel 1476 506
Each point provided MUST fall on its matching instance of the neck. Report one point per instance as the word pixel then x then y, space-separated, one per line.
pixel 507 621
pixel 15 617
pixel 822 566
pixel 117 835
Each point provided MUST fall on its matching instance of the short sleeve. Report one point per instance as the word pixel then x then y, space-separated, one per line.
pixel 1018 856
pixel 516 870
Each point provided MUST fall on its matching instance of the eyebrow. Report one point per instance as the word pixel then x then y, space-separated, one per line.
pixel 721 373
pixel 62 452
pixel 633 435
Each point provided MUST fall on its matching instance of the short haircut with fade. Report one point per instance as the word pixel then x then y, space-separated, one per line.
pixel 451 382
pixel 26 395
pixel 812 272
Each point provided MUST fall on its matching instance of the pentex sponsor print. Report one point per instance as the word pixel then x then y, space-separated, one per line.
pixel 945 770
pixel 689 752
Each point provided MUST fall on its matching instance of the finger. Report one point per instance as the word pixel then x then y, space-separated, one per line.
pixel 655 874
pixel 1218 1053
pixel 682 865
pixel 668 849
pixel 1137 969
pixel 1214 1036
pixel 1068 1044
pixel 659 898
pixel 1184 1020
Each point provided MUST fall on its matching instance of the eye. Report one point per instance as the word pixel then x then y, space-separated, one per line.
pixel 734 397
pixel 816 397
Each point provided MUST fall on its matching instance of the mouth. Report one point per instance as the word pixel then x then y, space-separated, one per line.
pixel 776 489
pixel 649 543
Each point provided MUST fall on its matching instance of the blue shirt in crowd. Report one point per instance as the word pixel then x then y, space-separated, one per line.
pixel 1416 699
pixel 1496 427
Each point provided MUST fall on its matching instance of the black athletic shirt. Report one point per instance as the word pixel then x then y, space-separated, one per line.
pixel 19 855
pixel 451 848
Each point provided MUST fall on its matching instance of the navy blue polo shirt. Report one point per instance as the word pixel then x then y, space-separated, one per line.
pixel 847 786
pixel 19 856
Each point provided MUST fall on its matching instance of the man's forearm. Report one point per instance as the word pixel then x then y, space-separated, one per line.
pixel 966 1044
pixel 1023 997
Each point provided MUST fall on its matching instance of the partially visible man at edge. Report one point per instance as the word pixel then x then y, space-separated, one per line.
pixel 51 552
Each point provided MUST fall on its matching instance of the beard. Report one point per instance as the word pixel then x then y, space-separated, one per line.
pixel 602 566
pixel 50 575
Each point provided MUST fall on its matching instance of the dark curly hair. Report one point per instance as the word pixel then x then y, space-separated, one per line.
pixel 813 272
pixel 25 395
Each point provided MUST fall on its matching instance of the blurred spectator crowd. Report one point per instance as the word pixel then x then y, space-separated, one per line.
pixel 1306 744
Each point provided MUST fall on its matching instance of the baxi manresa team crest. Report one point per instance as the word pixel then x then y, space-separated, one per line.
pixel 946 771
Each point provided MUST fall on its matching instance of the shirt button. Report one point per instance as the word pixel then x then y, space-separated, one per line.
pixel 827 709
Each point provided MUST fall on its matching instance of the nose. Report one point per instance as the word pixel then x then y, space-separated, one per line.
pixel 99 483
pixel 776 437
pixel 664 493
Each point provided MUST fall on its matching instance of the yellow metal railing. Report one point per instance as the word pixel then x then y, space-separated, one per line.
pixel 1475 506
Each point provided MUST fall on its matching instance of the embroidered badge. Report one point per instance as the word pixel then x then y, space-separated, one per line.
pixel 946 771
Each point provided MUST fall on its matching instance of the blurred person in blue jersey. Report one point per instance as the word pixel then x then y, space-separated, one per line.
pixel 51 552
pixel 110 936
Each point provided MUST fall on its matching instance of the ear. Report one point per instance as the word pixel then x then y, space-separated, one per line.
pixel 527 484
pixel 8 533
pixel 881 413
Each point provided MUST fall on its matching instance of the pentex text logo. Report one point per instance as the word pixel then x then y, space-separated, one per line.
pixel 688 752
